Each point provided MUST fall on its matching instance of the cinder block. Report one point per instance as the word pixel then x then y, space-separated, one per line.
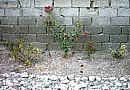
pixel 128 47
pixel 124 12
pixel 5 29
pixel 120 3
pixel 93 30
pixel 9 4
pixel 28 37
pixel 44 38
pixel 118 38
pixel 78 47
pixel 37 30
pixel 108 47
pixel 41 46
pixel 53 46
pixel 9 21
pixel 83 39
pixel 22 29
pixel 89 12
pixel 63 3
pixel 25 3
pixel 69 11
pixel 1 12
pixel 100 3
pixel 31 12
pixel 56 11
pixel 43 3
pixel 126 30
pixel 128 38
pixel 112 30
pixel 2 3
pixel 69 28
pixel 99 21
pixel 83 20
pixel 40 21
pixel 12 12
pixel 65 20
pixel 108 12
pixel 81 3
pixel 100 38
pixel 97 46
pixel 9 37
pixel 26 20
pixel 120 21
pixel 32 2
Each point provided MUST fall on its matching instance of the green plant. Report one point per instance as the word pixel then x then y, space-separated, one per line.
pixel 119 53
pixel 25 53
pixel 90 48
pixel 65 38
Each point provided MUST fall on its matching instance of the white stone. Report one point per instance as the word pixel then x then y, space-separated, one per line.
pixel 63 86
pixel 6 75
pixel 98 78
pixel 65 81
pixel 72 83
pixel 53 78
pixel 129 85
pixel 24 75
pixel 123 79
pixel 71 77
pixel 112 78
pixel 105 88
pixel 40 76
pixel 84 79
pixel 77 87
pixel 118 84
pixel 91 78
pixel 22 82
pixel 13 73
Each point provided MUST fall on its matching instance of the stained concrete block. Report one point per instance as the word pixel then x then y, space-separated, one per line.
pixel 81 3
pixel 63 3
pixel 120 21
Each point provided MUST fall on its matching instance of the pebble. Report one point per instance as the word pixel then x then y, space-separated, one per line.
pixel 24 81
pixel 24 75
pixel 92 78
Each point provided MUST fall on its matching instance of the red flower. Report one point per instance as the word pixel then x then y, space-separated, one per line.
pixel 84 33
pixel 48 9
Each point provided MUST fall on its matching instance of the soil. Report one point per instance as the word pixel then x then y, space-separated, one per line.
pixel 99 64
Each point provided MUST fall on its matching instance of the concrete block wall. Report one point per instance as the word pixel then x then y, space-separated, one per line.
pixel 108 20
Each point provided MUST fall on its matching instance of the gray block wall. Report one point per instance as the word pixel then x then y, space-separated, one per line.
pixel 108 21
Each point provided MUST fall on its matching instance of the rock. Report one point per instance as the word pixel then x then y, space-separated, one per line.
pixel 6 75
pixel 112 78
pixel 71 77
pixel 64 81
pixel 79 86
pixel 84 79
pixel 129 85
pixel 98 78
pixel 63 86
pixel 24 75
pixel 53 78
pixel 118 84
pixel 105 88
pixel 92 78
pixel 123 79
pixel 72 83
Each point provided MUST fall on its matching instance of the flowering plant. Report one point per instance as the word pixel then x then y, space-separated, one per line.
pixel 66 39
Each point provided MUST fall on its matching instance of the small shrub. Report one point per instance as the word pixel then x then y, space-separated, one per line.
pixel 25 53
pixel 119 53
pixel 90 48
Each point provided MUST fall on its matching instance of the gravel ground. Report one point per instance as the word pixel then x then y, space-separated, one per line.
pixel 99 64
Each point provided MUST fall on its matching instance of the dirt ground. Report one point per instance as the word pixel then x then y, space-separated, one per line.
pixel 99 64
